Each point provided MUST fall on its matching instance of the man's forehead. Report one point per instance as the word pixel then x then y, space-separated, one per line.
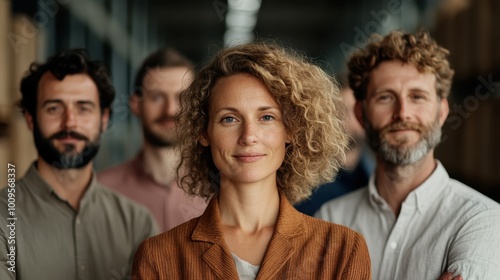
pixel 75 87
pixel 169 71
pixel 156 78
pixel 395 71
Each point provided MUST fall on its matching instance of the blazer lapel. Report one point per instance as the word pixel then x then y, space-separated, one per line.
pixel 281 248
pixel 278 253
pixel 220 263
pixel 209 230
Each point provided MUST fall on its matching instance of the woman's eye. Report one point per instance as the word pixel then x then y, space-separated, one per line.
pixel 268 118
pixel 227 119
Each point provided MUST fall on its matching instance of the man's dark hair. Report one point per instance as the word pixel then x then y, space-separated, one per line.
pixel 162 58
pixel 70 62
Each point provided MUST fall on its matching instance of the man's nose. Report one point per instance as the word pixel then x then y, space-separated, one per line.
pixel 401 110
pixel 171 106
pixel 69 121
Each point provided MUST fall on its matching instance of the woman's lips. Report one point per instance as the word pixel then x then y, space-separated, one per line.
pixel 249 157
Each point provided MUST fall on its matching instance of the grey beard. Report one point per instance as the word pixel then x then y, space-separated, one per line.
pixel 410 155
pixel 404 155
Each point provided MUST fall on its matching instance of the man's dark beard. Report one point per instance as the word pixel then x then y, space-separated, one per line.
pixel 156 140
pixel 70 158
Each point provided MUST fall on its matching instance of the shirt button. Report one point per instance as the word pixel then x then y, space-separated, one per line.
pixel 394 245
pixel 77 221
pixel 83 267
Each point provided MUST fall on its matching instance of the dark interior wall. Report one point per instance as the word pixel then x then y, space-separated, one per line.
pixel 471 152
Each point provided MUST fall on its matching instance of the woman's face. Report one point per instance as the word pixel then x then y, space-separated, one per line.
pixel 245 133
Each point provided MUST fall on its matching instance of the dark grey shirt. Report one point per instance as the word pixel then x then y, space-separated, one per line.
pixel 53 241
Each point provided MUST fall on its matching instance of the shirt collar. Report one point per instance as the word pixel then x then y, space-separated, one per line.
pixel 423 196
pixel 42 188
pixel 33 178
pixel 375 199
pixel 90 192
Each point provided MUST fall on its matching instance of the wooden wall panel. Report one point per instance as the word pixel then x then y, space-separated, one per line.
pixel 21 145
pixel 471 153
pixel 5 100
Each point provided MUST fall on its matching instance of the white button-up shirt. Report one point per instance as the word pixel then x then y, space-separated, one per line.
pixel 443 226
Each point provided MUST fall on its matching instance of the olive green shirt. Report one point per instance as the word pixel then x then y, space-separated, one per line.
pixel 45 238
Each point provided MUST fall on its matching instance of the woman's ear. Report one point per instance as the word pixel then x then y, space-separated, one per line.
pixel 288 138
pixel 204 140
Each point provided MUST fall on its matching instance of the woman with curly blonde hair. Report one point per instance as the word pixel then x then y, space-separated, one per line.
pixel 262 127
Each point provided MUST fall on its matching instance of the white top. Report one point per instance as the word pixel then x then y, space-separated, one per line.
pixel 443 225
pixel 246 270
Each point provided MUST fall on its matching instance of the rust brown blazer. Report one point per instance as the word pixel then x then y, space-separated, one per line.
pixel 301 247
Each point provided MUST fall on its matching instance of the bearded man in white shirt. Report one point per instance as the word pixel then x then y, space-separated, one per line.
pixel 417 221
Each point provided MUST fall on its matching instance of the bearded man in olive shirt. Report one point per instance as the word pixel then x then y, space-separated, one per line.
pixel 64 224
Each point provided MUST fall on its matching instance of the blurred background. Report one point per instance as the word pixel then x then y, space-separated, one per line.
pixel 123 32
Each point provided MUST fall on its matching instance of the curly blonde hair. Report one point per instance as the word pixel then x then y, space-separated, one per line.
pixel 418 49
pixel 313 114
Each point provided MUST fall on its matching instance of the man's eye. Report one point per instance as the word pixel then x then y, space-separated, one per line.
pixel 53 109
